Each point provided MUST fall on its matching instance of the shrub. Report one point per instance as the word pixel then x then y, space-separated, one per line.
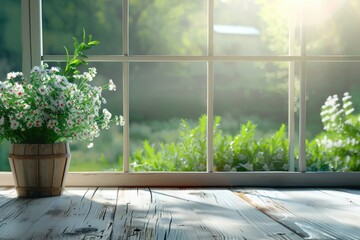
pixel 337 148
pixel 242 152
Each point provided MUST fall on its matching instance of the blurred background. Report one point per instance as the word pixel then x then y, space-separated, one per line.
pixel 163 94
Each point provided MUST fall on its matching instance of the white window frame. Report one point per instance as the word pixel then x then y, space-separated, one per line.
pixel 33 55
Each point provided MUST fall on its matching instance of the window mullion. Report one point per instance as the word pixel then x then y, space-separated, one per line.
pixel 26 48
pixel 210 89
pixel 31 34
pixel 291 91
pixel 302 110
pixel 36 32
pixel 126 131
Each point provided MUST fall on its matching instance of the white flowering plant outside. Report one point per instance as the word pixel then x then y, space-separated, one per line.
pixel 55 105
pixel 337 148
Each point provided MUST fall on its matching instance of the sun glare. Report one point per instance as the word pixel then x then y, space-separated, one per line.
pixel 318 11
pixel 314 11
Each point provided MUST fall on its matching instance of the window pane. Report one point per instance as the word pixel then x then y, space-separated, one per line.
pixel 332 27
pixel 65 19
pixel 252 101
pixel 247 27
pixel 106 154
pixel 10 38
pixel 10 55
pixel 166 101
pixel 333 117
pixel 168 27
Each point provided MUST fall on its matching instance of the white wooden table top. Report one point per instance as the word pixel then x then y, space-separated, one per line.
pixel 157 213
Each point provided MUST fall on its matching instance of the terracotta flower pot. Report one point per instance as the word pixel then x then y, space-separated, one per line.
pixel 39 170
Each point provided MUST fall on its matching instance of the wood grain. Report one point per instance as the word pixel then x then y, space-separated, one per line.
pixel 39 169
pixel 193 213
pixel 311 213
pixel 78 214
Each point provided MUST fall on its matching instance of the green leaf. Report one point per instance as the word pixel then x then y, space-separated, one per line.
pixel 81 46
pixel 84 35
pixel 76 62
pixel 93 43
pixel 76 43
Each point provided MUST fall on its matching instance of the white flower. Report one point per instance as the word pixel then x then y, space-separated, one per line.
pixel 107 114
pixel 88 76
pixel 333 118
pixel 92 72
pixel 14 124
pixel 119 120
pixel 349 111
pixel 90 145
pixel 347 104
pixel 70 122
pixel 18 90
pixel 338 143
pixel 68 111
pixel 3 86
pixel 12 75
pixel 77 76
pixel 61 104
pixel 35 69
pixel 54 70
pixel 57 130
pixel 346 97
pixel 37 122
pixel 325 119
pixel 112 86
pixel 43 90
pixel 339 112
pixel 323 112
pixel 51 123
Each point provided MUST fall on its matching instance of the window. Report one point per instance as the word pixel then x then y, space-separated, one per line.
pixel 266 66
pixel 10 54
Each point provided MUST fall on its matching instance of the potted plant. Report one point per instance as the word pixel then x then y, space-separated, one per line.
pixel 39 116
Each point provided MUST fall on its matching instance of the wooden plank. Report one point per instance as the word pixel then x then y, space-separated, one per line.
pixel 334 205
pixel 79 214
pixel 308 212
pixel 6 195
pixel 111 213
pixel 18 215
pixel 138 215
pixel 352 195
pixel 224 212
pixel 191 214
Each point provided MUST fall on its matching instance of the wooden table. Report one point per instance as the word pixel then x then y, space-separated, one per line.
pixel 157 213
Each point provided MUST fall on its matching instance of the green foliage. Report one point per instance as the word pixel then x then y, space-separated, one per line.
pixel 188 154
pixel 245 152
pixel 337 148
pixel 78 59
pixel 242 152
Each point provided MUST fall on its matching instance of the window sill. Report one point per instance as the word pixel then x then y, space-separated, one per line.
pixel 203 179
